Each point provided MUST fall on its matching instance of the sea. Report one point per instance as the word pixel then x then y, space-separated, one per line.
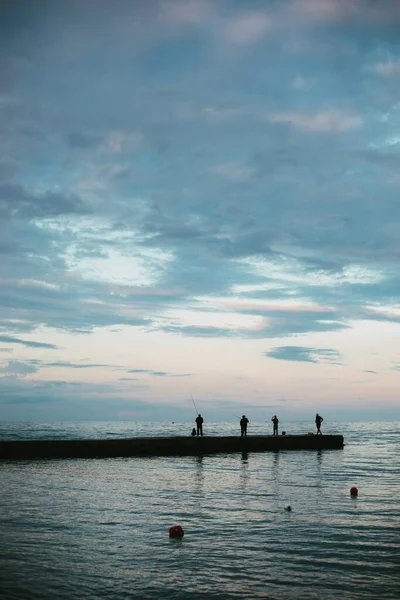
pixel 99 528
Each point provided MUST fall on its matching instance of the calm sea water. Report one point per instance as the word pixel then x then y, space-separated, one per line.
pixel 98 528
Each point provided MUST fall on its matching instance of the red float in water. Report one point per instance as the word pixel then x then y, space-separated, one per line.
pixel 353 491
pixel 176 532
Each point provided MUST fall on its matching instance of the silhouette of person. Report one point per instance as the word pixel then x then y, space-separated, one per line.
pixel 318 421
pixel 243 425
pixel 199 424
pixel 275 421
pixel 194 431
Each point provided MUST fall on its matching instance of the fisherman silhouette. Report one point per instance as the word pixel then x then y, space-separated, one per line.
pixel 318 421
pixel 194 431
pixel 199 424
pixel 275 421
pixel 243 425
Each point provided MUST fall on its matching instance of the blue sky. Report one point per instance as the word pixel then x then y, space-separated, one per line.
pixel 199 199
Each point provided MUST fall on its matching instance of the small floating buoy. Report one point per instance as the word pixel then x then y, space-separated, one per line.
pixel 353 491
pixel 176 532
pixel 288 508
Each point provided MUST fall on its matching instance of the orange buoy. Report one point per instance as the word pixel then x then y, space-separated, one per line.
pixel 176 532
pixel 353 491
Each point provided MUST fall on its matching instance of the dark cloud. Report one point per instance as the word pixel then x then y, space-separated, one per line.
pixel 159 373
pixel 83 140
pixel 69 365
pixel 17 202
pixel 8 339
pixel 304 354
pixel 295 326
pixel 65 306
pixel 8 168
pixel 16 367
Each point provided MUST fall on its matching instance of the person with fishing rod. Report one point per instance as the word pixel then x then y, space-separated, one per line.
pixel 243 425
pixel 199 424
pixel 198 420
pixel 275 421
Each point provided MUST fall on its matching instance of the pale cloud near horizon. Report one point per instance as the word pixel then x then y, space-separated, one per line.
pixel 198 192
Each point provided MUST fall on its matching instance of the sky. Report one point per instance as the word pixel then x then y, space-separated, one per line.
pixel 199 200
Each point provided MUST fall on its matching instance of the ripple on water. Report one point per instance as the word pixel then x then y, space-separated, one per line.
pixel 99 528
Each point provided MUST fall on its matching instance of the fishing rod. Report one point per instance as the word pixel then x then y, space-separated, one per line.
pixel 195 407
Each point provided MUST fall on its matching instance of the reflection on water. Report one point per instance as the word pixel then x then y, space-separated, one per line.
pixel 244 471
pixel 199 472
pixel 275 461
pixel 319 473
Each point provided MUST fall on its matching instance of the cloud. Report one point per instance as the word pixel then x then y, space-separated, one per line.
pixel 328 121
pixel 70 365
pixel 193 331
pixel 8 339
pixel 233 172
pixel 389 69
pixel 18 202
pixel 83 140
pixel 220 172
pixel 222 113
pixel 8 168
pixel 18 368
pixel 370 371
pixel 316 12
pixel 247 28
pixel 158 373
pixel 76 305
pixel 289 400
pixel 184 13
pixel 302 83
pixel 324 10
pixel 304 354
pixel 59 400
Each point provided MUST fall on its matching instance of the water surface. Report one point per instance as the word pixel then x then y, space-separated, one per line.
pixel 98 528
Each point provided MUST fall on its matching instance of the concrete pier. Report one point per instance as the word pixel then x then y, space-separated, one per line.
pixel 163 446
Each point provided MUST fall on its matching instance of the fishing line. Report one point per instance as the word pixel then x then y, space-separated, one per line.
pixel 195 407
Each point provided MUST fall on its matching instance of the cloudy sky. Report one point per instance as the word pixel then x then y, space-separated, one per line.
pixel 199 199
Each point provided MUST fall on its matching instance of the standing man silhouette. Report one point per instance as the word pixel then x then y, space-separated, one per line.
pixel 243 425
pixel 275 421
pixel 199 424
pixel 318 421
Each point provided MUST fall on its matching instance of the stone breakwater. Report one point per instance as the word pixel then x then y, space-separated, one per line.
pixel 163 446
